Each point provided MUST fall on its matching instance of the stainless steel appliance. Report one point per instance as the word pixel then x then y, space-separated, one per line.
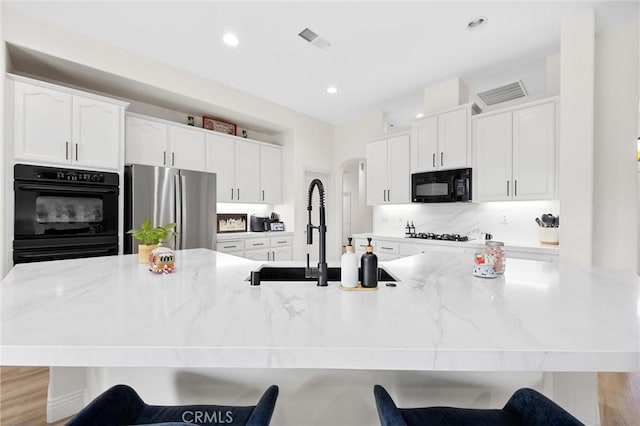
pixel 64 213
pixel 167 195
pixel 442 186
pixel 259 224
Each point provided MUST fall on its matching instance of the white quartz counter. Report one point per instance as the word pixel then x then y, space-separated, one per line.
pixel 112 312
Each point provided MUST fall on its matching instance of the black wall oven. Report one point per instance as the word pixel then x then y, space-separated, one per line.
pixel 64 213
pixel 442 186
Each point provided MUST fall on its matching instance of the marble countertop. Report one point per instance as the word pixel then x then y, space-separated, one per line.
pixel 530 247
pixel 110 311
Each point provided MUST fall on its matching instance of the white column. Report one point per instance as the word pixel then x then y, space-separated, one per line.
pixel 615 167
pixel 576 137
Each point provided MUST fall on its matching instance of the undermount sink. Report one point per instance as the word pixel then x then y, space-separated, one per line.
pixel 296 273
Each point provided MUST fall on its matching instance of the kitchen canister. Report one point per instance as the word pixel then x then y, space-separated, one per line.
pixel 490 261
pixel 162 260
pixel 549 235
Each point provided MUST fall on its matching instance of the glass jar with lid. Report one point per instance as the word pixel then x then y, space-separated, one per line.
pixel 494 250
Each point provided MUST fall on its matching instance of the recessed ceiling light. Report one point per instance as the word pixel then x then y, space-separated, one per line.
pixel 477 23
pixel 332 89
pixel 419 115
pixel 230 39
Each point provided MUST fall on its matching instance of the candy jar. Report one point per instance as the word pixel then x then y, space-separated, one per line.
pixel 162 260
pixel 495 249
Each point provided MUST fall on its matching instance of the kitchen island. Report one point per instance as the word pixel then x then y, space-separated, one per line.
pixel 111 314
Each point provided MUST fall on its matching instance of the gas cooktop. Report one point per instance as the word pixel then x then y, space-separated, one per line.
pixel 443 237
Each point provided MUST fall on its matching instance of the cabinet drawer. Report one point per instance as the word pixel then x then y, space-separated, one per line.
pixel 360 244
pixel 230 246
pixel 387 247
pixel 285 240
pixel 408 249
pixel 256 243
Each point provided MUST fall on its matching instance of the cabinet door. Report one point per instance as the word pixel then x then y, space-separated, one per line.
pixel 146 142
pixel 281 253
pixel 534 151
pixel 221 160
pixel 377 173
pixel 452 140
pixel 96 133
pixel 260 255
pixel 424 145
pixel 270 174
pixel 399 188
pixel 248 172
pixel 187 148
pixel 42 124
pixel 493 160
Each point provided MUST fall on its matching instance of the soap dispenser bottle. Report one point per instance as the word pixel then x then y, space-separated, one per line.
pixel 369 267
pixel 349 267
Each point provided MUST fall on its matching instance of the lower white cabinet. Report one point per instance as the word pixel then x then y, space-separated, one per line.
pixel 263 247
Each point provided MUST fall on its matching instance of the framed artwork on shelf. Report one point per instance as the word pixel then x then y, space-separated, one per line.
pixel 231 222
pixel 217 125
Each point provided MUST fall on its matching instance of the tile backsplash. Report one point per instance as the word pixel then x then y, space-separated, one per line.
pixel 509 221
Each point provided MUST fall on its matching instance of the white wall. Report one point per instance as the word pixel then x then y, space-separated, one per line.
pixel 312 139
pixel 576 137
pixel 615 136
pixel 4 172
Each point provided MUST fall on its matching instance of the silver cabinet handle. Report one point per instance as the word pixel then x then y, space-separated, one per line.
pixel 232 193
pixel 433 159
pixel 273 255
pixel 66 150
pixel 238 194
pixel 263 195
pixel 515 188
pixel 507 188
pixel 164 158
pixel 173 158
pixel 384 194
pixel 229 247
pixel 386 248
pixel 388 195
pixel 442 158
pixel 76 152
pixel 257 244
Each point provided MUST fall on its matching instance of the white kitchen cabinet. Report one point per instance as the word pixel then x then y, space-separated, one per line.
pixel 237 167
pixel 264 247
pixel 270 174
pixel 147 141
pixel 388 175
pixel 442 141
pixel 187 148
pixel 515 154
pixel 156 142
pixel 56 125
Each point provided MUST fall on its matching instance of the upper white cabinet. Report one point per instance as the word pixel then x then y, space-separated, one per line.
pixel 61 126
pixel 158 143
pixel 237 167
pixel 442 141
pixel 271 174
pixel 515 153
pixel 388 175
pixel 187 148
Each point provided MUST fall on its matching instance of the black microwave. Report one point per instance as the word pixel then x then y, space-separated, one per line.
pixel 442 186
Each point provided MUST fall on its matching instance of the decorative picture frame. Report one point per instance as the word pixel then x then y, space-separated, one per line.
pixel 217 125
pixel 231 222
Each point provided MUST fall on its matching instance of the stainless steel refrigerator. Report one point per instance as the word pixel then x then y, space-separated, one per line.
pixel 167 195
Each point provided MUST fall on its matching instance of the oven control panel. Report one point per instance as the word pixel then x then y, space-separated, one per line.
pixel 70 175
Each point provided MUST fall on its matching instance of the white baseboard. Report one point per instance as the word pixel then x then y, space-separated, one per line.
pixel 64 406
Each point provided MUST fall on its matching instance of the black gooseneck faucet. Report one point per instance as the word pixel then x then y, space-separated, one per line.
pixel 321 272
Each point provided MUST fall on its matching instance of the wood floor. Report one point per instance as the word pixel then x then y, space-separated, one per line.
pixel 23 397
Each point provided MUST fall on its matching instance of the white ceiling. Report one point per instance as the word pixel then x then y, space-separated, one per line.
pixel 382 53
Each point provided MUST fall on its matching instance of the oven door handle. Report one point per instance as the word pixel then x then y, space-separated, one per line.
pixel 63 254
pixel 94 190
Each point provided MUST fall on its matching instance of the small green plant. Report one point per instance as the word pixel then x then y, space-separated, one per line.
pixel 148 235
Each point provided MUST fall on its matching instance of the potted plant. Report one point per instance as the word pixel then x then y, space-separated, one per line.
pixel 149 237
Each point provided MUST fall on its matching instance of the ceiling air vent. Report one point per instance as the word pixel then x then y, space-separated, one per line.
pixel 503 93
pixel 314 39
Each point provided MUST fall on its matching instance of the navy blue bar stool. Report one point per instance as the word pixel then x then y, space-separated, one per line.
pixel 526 407
pixel 121 405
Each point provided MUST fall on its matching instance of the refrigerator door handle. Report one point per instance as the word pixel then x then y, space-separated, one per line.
pixel 183 212
pixel 177 187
